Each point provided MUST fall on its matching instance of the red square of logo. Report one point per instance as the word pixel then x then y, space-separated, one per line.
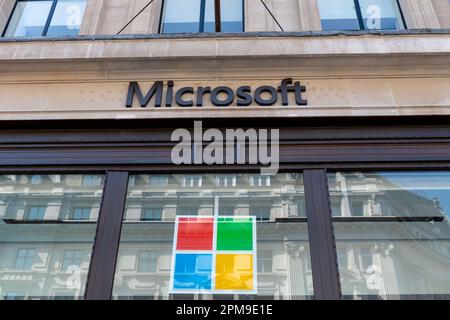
pixel 195 234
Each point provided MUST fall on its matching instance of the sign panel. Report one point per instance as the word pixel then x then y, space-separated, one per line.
pixel 214 255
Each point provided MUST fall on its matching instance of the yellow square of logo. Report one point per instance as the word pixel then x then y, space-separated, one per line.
pixel 234 272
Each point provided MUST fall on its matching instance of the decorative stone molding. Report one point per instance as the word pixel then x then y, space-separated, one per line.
pixel 309 15
pixel 148 21
pixel 6 7
pixel 98 15
pixel 419 14
pixel 384 249
pixel 294 250
pixel 91 20
pixel 293 15
pixel 442 9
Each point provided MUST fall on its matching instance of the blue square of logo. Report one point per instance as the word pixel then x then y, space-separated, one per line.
pixel 192 271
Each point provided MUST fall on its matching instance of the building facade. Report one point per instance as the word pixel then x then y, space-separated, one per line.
pixel 91 92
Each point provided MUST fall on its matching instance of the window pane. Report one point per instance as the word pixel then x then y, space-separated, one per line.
pixel 400 246
pixel 66 20
pixel 181 16
pixel 232 15
pixel 145 254
pixel 210 16
pixel 338 15
pixel 185 16
pixel 29 19
pixel 42 254
pixel 381 14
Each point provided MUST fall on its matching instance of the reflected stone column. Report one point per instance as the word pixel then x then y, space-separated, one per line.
pixel 388 272
pixel 295 270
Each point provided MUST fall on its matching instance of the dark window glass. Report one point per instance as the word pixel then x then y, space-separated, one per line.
pixel 46 18
pixel 199 16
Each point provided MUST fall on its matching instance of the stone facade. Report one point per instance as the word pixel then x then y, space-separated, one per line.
pixel 350 74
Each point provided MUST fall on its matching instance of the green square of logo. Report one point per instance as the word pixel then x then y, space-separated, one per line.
pixel 234 234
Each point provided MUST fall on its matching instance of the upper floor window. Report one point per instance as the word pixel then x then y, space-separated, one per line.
pixel 226 181
pixel 36 179
pixel 91 180
pixel 36 213
pixel 72 258
pixel 36 18
pixel 199 16
pixel 192 181
pixel 147 262
pixel 81 214
pixel 262 213
pixel 158 181
pixel 24 259
pixel 361 15
pixel 152 214
pixel 260 181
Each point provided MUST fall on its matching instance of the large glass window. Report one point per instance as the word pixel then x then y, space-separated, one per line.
pixel 199 16
pixel 35 18
pixel 43 254
pixel 145 253
pixel 392 233
pixel 360 14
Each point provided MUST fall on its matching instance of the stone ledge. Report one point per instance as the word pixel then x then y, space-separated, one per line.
pixel 234 113
pixel 213 35
pixel 230 46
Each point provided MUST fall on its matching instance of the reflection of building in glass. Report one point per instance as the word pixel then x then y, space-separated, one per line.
pixel 144 261
pixel 404 248
pixel 163 197
pixel 47 227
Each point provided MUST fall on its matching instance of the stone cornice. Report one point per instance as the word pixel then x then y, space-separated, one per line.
pixel 246 45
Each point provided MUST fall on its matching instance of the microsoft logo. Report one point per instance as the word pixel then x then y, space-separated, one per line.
pixel 214 255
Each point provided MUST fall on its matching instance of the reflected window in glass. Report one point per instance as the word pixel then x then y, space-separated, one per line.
pixel 25 259
pixel 152 214
pixel 39 242
pixel 399 248
pixel 81 213
pixel 283 248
